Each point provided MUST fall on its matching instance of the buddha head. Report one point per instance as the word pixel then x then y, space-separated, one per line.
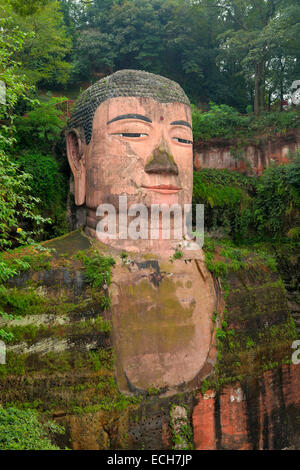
pixel 131 134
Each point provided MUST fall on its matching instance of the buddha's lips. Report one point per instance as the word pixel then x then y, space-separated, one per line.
pixel 164 188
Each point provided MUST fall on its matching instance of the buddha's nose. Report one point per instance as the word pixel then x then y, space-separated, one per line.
pixel 161 162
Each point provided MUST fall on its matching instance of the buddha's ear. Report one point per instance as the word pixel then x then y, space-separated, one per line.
pixel 75 152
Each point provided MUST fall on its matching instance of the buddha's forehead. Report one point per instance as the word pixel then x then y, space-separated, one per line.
pixel 141 106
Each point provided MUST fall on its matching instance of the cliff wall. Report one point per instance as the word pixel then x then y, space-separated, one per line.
pixel 61 361
pixel 254 155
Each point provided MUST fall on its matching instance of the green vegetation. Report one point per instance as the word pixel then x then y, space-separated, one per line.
pixel 23 430
pixel 124 256
pixel 12 268
pixel 227 199
pixel 269 207
pixel 16 302
pixel 236 52
pixel 37 133
pixel 119 403
pixel 247 351
pixel 99 361
pixel 97 268
pixel 21 303
pixel 46 44
pixel 277 205
pixel 225 122
pixel 79 396
pixel 152 391
pixel 41 126
pixel 182 432
pixel 242 355
pixel 223 256
pixel 31 333
pixel 19 222
pixel 13 302
pixel 177 255
pixel 251 338
pixel 251 209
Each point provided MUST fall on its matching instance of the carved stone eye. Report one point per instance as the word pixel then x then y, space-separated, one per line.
pixel 182 141
pixel 131 134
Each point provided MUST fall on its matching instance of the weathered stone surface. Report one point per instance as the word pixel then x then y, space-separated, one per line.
pixel 96 431
pixel 204 422
pixel 217 154
pixel 150 424
pixel 66 368
pixel 153 311
pixel 262 416
pixel 259 408
pixel 162 323
pixel 233 422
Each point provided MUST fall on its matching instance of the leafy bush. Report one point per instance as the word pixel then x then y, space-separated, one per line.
pixel 37 132
pixel 19 219
pixel 227 197
pixel 41 126
pixel 223 121
pixel 256 208
pixel 97 268
pixel 50 186
pixel 12 268
pixel 219 121
pixel 47 181
pixel 22 430
pixel 277 203
pixel 293 172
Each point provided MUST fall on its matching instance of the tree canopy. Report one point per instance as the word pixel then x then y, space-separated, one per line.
pixel 236 52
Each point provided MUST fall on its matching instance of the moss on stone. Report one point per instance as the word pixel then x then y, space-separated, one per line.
pixel 257 330
pixel 166 306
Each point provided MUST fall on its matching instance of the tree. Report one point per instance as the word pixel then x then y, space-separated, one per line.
pixel 16 87
pixel 257 32
pixel 115 35
pixel 28 8
pixel 19 219
pixel 174 38
pixel 192 48
pixel 46 46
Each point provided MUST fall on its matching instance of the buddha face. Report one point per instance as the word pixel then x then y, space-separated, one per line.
pixel 139 148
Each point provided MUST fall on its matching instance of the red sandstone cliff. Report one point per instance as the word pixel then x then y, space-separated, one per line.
pixel 265 415
pixel 257 154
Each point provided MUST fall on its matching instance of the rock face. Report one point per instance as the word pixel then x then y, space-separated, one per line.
pixel 255 403
pixel 60 360
pixel 263 415
pixel 66 355
pixel 219 154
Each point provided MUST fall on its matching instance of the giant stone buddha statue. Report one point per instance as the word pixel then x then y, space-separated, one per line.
pixel 130 134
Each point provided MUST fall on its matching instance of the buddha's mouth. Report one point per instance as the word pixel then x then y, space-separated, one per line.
pixel 163 188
